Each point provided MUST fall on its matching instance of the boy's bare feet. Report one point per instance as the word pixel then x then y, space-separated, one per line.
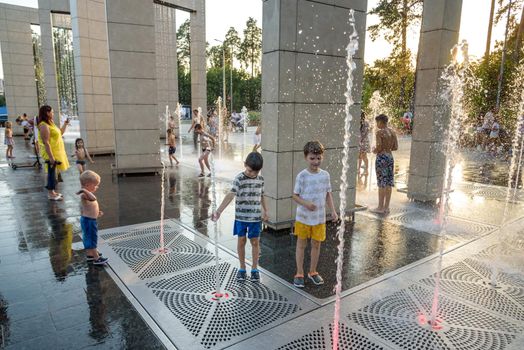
pixel 377 210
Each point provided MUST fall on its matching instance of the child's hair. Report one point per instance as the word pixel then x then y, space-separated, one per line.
pixel 76 143
pixel 8 125
pixel 195 110
pixel 255 161
pixel 382 118
pixel 88 177
pixel 169 131
pixel 314 147
pixel 198 127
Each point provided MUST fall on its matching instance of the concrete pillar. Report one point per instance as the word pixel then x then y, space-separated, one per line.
pixel 91 52
pixel 18 61
pixel 46 29
pixel 198 56
pixel 166 64
pixel 303 84
pixel 131 33
pixel 439 33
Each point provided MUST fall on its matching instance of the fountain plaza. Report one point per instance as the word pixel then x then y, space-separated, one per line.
pixel 51 298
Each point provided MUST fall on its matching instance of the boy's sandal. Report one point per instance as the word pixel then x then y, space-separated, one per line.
pixel 298 281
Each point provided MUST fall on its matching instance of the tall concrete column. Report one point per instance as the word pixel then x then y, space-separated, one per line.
pixel 439 33
pixel 303 84
pixel 166 64
pixel 131 33
pixel 17 60
pixel 91 55
pixel 198 56
pixel 46 31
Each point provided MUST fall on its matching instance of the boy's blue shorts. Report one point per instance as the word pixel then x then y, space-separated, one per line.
pixel 89 232
pixel 253 229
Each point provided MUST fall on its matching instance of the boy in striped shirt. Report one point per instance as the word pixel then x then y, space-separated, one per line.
pixel 250 211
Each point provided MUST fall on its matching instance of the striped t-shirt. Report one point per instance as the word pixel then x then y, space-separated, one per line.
pixel 248 192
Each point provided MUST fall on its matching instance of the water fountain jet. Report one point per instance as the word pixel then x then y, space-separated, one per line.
pixel 351 50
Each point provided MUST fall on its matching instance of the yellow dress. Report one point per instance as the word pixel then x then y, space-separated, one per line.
pixel 57 146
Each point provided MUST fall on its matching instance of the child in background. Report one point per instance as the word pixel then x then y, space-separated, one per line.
pixel 386 143
pixel 312 191
pixel 81 154
pixel 212 122
pixel 250 211
pixel 8 140
pixel 494 137
pixel 171 141
pixel 89 180
pixel 207 142
pixel 257 138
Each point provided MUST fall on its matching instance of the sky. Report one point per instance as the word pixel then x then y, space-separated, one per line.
pixel 220 15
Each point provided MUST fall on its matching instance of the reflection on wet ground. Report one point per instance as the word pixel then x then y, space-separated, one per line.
pixel 50 298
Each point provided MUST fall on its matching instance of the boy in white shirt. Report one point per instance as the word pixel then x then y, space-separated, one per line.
pixel 312 191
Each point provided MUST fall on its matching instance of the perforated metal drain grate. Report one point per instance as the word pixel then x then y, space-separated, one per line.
pixel 323 339
pixel 456 228
pixel 135 248
pixel 470 280
pixel 142 230
pixel 249 307
pixel 474 314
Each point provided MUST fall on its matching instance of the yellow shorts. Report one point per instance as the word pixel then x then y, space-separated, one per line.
pixel 317 232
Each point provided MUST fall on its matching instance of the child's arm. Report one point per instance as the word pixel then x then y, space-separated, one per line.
pixel 87 195
pixel 227 199
pixel 265 217
pixel 309 205
pixel 329 200
pixel 88 156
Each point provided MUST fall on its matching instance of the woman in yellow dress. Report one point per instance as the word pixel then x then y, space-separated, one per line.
pixel 52 149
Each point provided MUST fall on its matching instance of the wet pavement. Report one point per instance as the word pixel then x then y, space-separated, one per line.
pixel 51 298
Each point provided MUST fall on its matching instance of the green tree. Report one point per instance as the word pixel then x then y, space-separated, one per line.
pixel 396 17
pixel 214 56
pixel 65 69
pixel 183 42
pixel 184 86
pixel 481 92
pixel 232 43
pixel 251 47
pixel 387 76
pixel 39 68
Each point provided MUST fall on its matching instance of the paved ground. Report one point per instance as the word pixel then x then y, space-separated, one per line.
pixel 49 296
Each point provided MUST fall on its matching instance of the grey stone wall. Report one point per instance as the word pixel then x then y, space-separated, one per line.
pixel 91 53
pixel 304 76
pixel 18 61
pixel 198 56
pixel 166 64
pixel 131 33
pixel 46 28
pixel 439 33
